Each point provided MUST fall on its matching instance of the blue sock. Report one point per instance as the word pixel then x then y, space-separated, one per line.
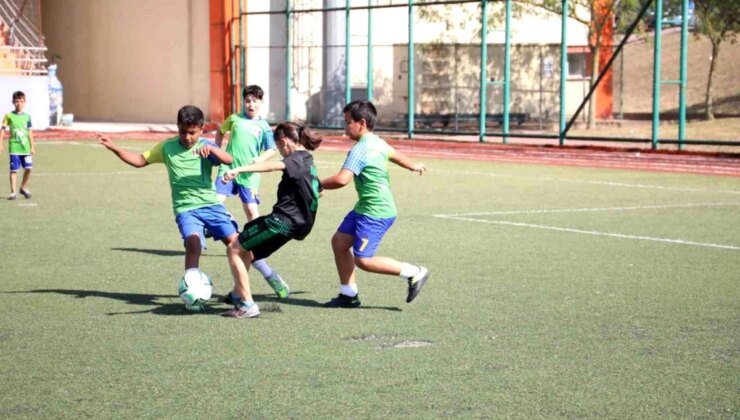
pixel 263 268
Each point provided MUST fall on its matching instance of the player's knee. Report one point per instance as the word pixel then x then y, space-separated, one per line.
pixel 363 263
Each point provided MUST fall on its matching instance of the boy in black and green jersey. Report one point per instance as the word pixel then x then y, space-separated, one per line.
pixel 292 216
pixel 251 141
pixel 20 145
pixel 189 160
pixel 360 233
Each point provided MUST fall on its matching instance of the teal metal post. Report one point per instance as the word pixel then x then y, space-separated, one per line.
pixel 369 51
pixel 507 71
pixel 288 59
pixel 563 68
pixel 483 70
pixel 242 50
pixel 656 71
pixel 411 71
pixel 683 85
pixel 347 48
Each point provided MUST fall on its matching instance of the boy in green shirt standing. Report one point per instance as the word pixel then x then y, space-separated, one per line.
pixel 251 142
pixel 20 145
pixel 359 235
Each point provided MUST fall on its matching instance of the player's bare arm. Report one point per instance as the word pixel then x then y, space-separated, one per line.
pixel 220 154
pixel 133 159
pixel 342 178
pixel 403 161
pixel 255 167
pixel 30 139
pixel 266 155
pixel 219 138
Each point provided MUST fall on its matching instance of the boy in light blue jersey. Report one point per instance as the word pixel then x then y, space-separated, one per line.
pixel 189 160
pixel 359 235
pixel 251 142
pixel 20 145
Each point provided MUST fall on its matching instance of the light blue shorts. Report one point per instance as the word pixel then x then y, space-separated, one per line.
pixel 367 231
pixel 215 218
pixel 231 188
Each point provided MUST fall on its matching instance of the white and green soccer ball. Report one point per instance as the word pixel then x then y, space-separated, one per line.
pixel 195 293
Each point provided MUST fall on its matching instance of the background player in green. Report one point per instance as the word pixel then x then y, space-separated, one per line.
pixel 292 216
pixel 20 145
pixel 189 159
pixel 359 235
pixel 251 141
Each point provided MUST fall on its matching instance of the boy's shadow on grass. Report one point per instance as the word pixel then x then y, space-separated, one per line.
pixel 165 252
pixel 171 304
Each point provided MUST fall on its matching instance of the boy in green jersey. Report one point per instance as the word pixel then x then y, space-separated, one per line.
pixel 251 141
pixel 359 235
pixel 20 145
pixel 189 160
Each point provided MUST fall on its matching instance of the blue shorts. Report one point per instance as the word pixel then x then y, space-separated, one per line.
pixel 367 232
pixel 215 218
pixel 16 161
pixel 232 188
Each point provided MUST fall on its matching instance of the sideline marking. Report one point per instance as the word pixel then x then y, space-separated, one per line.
pixel 593 209
pixel 583 181
pixel 593 232
pixel 99 173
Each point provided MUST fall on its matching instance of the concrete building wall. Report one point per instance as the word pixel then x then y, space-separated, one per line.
pixel 132 60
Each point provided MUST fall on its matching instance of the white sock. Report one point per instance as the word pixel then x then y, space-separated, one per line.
pixel 348 290
pixel 409 270
pixel 192 274
pixel 263 268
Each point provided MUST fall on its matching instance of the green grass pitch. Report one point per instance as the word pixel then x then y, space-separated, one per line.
pixel 555 292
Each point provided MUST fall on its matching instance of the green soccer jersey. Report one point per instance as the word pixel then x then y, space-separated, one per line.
pixel 189 174
pixel 249 138
pixel 19 126
pixel 368 160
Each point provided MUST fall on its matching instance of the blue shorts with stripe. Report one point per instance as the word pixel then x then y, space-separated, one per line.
pixel 367 231
pixel 215 218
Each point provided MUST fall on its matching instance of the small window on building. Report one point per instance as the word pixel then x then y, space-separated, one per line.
pixel 577 68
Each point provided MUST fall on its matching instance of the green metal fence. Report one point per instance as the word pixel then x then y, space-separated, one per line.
pixel 326 53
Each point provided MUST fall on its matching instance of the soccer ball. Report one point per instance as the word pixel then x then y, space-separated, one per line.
pixel 195 293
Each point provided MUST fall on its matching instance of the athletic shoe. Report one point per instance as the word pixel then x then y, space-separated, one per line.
pixel 26 193
pixel 230 300
pixel 243 312
pixel 278 285
pixel 196 307
pixel 416 283
pixel 13 196
pixel 343 301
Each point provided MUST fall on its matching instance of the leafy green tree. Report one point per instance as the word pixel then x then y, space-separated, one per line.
pixel 718 20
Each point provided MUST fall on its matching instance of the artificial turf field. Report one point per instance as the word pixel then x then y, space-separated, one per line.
pixel 555 292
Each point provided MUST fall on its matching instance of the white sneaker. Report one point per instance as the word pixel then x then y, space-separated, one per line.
pixel 243 312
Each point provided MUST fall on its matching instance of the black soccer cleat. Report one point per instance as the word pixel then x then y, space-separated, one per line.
pixel 416 283
pixel 343 301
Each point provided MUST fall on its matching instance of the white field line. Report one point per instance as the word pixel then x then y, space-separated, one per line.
pixel 103 174
pixel 585 210
pixel 606 183
pixel 594 233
